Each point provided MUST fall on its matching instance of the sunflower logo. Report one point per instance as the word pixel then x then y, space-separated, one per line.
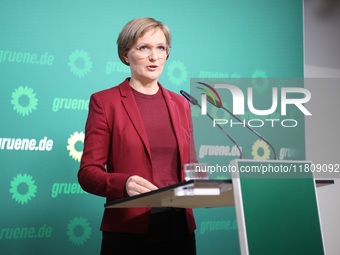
pixel 195 111
pixel 282 83
pixel 78 230
pixel 217 113
pixel 260 150
pixel 80 63
pixel 177 73
pixel 24 101
pixel 259 81
pixel 23 182
pixel 71 147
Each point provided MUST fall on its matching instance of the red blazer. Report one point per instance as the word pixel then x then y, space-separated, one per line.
pixel 116 146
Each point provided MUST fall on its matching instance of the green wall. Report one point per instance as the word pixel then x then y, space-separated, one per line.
pixel 55 54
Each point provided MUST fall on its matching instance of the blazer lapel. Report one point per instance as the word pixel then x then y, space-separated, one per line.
pixel 131 108
pixel 176 122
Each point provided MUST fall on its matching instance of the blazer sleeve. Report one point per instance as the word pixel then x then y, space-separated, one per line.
pixel 92 175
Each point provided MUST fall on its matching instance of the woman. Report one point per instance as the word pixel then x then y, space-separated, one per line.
pixel 138 136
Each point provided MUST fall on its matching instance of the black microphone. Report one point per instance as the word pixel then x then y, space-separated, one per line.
pixel 194 101
pixel 190 98
pixel 219 105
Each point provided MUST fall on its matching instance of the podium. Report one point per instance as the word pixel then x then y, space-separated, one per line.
pixel 189 194
pixel 276 208
pixel 277 212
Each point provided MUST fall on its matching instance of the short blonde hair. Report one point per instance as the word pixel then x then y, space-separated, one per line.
pixel 135 29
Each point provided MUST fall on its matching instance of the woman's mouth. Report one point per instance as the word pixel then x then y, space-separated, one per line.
pixel 152 67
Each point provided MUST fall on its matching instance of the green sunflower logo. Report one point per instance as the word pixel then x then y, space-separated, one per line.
pixel 195 111
pixel 259 81
pixel 217 113
pixel 260 150
pixel 71 147
pixel 79 230
pixel 177 73
pixel 24 101
pixel 23 188
pixel 80 63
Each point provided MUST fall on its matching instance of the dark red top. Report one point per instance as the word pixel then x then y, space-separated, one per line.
pixel 163 143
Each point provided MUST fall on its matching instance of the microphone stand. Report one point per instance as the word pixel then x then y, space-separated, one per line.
pixel 194 101
pixel 219 105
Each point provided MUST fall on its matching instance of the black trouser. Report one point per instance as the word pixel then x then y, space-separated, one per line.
pixel 168 234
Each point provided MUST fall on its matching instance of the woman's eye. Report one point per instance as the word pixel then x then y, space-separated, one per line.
pixel 142 48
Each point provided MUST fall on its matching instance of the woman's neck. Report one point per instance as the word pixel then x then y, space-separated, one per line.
pixel 145 88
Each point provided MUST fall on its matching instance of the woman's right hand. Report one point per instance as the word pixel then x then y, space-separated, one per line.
pixel 136 185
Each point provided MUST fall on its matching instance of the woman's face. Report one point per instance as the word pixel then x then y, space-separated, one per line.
pixel 147 69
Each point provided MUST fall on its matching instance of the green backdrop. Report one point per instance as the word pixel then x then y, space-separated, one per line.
pixel 55 54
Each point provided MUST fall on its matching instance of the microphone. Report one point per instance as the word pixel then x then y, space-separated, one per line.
pixel 190 98
pixel 194 101
pixel 219 105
